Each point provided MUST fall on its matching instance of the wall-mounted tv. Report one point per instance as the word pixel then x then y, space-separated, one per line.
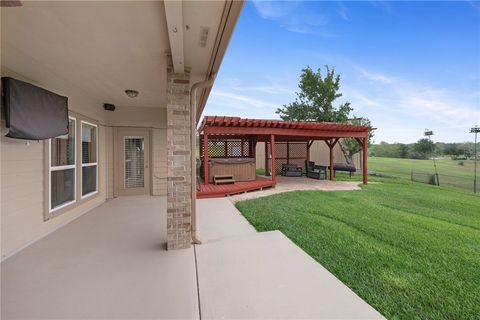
pixel 33 113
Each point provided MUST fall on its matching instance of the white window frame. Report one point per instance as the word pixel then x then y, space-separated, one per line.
pixel 60 168
pixel 90 164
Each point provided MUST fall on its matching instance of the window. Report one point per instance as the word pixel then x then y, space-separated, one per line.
pixel 62 169
pixel 89 159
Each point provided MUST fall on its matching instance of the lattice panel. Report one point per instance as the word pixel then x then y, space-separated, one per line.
pixel 227 148
pixel 289 152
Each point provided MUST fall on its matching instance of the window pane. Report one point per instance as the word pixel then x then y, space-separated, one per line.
pixel 63 187
pixel 89 143
pixel 89 179
pixel 63 147
pixel 134 162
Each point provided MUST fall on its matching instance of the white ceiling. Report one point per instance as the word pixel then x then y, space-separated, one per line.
pixel 103 48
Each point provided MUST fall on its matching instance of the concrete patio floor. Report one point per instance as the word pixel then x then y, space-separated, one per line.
pixel 111 263
pixel 287 184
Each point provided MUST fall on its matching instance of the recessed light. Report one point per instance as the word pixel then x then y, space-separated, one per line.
pixel 131 93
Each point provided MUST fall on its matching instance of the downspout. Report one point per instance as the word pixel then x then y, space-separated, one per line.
pixel 193 124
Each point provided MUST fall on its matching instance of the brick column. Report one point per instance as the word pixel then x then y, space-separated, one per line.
pixel 179 147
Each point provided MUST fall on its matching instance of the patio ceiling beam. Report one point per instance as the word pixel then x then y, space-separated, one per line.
pixel 174 15
pixel 311 134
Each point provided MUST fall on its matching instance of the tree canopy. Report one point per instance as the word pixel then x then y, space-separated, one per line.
pixel 315 99
pixel 315 102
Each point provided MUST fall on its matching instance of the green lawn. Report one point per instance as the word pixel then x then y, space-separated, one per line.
pixel 451 172
pixel 411 250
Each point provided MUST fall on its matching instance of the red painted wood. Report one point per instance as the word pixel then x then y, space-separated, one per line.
pixel 306 134
pixel 205 158
pixel 215 191
pixel 267 173
pixel 332 172
pixel 365 154
pixel 274 167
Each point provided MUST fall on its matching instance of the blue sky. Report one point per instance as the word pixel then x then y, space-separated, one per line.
pixel 405 65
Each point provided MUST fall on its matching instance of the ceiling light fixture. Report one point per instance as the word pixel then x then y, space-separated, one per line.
pixel 131 93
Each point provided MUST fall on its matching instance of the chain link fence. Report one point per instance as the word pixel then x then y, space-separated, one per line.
pixel 439 179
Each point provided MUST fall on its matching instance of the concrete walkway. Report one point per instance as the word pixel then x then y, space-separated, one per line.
pixel 111 263
pixel 287 184
pixel 243 274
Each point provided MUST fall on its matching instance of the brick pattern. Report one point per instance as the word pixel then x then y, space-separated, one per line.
pixel 179 148
pixel 159 164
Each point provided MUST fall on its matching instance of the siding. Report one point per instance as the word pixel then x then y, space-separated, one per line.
pixel 22 185
pixel 23 189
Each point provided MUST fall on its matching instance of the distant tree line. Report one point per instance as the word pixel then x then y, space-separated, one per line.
pixel 422 149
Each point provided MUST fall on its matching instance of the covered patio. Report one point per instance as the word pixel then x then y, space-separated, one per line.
pixel 228 144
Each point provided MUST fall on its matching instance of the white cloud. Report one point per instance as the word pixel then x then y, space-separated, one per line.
pixel 240 101
pixel 374 76
pixel 342 10
pixel 291 16
pixel 402 103
pixel 274 9
pixel 267 89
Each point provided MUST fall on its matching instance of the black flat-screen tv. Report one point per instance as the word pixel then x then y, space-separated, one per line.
pixel 33 113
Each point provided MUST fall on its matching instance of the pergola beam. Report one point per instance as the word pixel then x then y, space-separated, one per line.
pixel 305 134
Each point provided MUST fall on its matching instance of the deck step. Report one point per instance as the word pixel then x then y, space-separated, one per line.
pixel 223 179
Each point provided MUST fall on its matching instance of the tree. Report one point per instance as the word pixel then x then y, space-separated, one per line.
pixel 425 147
pixel 314 102
pixel 351 146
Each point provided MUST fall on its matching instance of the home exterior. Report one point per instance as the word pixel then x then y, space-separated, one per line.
pixel 91 52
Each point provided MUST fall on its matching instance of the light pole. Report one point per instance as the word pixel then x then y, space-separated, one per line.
pixel 429 134
pixel 475 130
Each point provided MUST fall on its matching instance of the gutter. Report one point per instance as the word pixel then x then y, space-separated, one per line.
pixel 193 123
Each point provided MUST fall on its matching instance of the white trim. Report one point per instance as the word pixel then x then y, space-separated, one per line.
pixel 61 168
pixel 89 164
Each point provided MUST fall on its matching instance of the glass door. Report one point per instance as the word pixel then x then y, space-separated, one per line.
pixel 133 162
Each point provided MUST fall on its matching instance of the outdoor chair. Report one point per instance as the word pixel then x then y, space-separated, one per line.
pixel 291 170
pixel 315 171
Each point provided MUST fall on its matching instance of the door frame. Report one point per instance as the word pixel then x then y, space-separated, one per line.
pixel 119 163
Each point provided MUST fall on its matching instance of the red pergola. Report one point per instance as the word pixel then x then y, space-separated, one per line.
pixel 216 131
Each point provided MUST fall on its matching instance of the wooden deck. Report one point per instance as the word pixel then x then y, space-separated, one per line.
pixel 218 191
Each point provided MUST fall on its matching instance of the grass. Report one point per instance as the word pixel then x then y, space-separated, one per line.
pixel 411 250
pixel 451 172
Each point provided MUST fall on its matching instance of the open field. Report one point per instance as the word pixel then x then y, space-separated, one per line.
pixel 451 172
pixel 411 250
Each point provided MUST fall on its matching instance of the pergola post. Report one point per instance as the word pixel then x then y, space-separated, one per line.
pixel 364 143
pixel 364 154
pixel 331 144
pixel 272 147
pixel 205 159
pixel 267 173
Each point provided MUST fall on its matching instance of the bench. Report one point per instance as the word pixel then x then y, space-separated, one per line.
pixel 223 179
pixel 344 167
pixel 291 170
